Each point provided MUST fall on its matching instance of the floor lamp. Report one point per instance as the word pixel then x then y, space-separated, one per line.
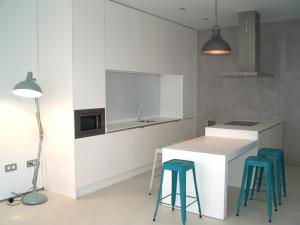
pixel 30 89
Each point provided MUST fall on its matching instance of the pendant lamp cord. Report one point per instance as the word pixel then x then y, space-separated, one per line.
pixel 216 11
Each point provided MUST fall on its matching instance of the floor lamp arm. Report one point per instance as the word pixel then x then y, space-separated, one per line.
pixel 41 135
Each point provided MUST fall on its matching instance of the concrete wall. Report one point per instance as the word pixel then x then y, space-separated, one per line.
pixel 225 99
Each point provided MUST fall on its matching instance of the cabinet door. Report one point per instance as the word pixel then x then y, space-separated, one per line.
pixel 117 37
pixel 161 46
pixel 189 68
pixel 174 47
pixel 91 160
pixel 88 54
pixel 118 153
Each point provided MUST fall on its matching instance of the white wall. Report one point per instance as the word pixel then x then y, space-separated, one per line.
pixel 55 63
pixel 18 130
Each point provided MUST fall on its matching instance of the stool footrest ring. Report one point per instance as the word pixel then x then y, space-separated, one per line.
pixel 175 206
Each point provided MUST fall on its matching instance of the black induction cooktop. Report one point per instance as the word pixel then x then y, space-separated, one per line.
pixel 242 123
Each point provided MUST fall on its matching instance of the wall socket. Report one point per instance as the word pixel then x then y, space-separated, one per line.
pixel 11 167
pixel 31 163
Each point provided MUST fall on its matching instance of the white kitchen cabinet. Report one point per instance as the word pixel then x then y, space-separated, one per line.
pixel 132 149
pixel 117 40
pixel 139 42
pixel 133 41
pixel 189 65
pixel 91 160
pixel 119 152
pixel 88 54
pixel 174 49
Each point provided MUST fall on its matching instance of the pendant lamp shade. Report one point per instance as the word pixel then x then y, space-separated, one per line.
pixel 28 88
pixel 216 45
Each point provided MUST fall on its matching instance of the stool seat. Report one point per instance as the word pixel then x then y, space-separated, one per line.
pixel 259 161
pixel 178 164
pixel 271 151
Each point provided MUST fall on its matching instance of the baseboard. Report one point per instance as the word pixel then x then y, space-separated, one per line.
pixel 101 184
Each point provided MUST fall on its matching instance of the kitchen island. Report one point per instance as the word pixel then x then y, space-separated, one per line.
pixel 219 158
pixel 268 133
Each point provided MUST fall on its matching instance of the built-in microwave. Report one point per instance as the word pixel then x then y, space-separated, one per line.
pixel 89 122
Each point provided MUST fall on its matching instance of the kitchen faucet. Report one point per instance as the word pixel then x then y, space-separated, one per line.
pixel 140 107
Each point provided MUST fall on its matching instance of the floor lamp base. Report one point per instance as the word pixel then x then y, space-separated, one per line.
pixel 34 198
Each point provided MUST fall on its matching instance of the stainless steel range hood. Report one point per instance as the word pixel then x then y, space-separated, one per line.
pixel 249 47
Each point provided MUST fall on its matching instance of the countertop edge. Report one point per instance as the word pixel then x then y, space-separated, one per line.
pixel 142 126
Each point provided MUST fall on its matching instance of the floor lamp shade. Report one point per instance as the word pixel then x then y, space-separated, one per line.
pixel 28 88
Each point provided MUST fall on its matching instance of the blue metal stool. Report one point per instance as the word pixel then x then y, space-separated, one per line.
pixel 268 165
pixel 278 156
pixel 180 167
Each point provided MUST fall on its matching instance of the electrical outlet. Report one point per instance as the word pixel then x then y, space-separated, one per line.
pixel 31 163
pixel 11 167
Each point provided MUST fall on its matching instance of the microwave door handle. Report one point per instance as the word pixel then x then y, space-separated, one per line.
pixel 98 120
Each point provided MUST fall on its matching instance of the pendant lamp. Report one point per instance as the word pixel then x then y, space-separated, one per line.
pixel 216 45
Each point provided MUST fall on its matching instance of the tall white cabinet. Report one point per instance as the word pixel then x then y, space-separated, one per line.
pixel 78 41
pixel 71 68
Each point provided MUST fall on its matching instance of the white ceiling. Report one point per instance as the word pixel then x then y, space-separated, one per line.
pixel 196 10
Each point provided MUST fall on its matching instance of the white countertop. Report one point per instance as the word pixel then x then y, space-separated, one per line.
pixel 263 125
pixel 131 124
pixel 228 147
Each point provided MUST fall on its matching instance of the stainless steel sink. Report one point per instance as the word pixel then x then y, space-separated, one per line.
pixel 146 121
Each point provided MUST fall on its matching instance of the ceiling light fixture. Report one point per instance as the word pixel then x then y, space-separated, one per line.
pixel 216 45
pixel 183 9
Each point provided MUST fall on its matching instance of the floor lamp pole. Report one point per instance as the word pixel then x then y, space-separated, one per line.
pixel 34 197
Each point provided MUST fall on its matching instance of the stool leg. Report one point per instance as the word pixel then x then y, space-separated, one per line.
pixel 238 207
pixel 159 193
pixel 249 179
pixel 269 195
pixel 182 181
pixel 261 173
pixel 254 182
pixel 152 174
pixel 174 187
pixel 283 175
pixel 273 189
pixel 278 179
pixel 197 194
